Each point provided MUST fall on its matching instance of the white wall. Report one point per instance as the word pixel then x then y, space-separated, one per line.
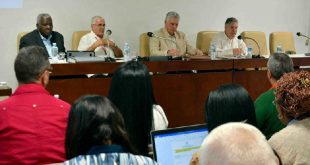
pixel 128 19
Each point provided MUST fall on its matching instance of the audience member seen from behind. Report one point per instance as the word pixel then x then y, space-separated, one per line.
pixel 44 35
pixel 236 144
pixel 32 122
pixel 293 104
pixel 227 44
pixel 266 112
pixel 96 41
pixel 96 134
pixel 170 41
pixel 132 92
pixel 229 103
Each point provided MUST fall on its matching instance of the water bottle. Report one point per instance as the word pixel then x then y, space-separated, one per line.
pixel 213 51
pixel 279 48
pixel 250 52
pixel 126 52
pixel 54 50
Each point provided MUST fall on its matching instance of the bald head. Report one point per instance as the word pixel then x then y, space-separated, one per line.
pixel 236 144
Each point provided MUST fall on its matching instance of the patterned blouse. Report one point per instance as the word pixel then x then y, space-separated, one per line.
pixel 109 155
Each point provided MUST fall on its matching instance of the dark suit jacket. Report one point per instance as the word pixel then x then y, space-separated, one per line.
pixel 34 38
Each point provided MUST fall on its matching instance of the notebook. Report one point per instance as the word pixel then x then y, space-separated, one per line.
pixel 177 145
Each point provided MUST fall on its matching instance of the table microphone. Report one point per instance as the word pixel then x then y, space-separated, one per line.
pixel 240 37
pixel 301 35
pixel 108 32
pixel 151 34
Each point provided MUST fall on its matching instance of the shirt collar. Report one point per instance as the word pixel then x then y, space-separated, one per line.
pixel 43 38
pixel 292 121
pixel 113 148
pixel 93 34
pixel 30 88
pixel 227 37
pixel 166 32
pixel 273 86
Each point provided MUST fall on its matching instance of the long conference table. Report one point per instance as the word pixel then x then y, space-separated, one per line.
pixel 180 87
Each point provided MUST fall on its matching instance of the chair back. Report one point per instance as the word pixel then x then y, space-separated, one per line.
pixel 204 39
pixel 144 45
pixel 76 37
pixel 286 40
pixel 259 37
pixel 19 36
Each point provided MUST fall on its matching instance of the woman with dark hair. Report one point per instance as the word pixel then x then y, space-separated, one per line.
pixel 229 103
pixel 293 104
pixel 132 92
pixel 96 134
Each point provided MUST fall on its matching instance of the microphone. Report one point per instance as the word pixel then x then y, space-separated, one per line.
pixel 240 37
pixel 302 35
pixel 151 34
pixel 307 38
pixel 108 32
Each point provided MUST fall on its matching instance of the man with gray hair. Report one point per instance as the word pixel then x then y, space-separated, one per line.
pixel 227 44
pixel 44 35
pixel 236 144
pixel 32 122
pixel 96 41
pixel 170 41
pixel 266 112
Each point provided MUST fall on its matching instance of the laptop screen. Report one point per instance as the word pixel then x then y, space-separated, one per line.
pixel 177 145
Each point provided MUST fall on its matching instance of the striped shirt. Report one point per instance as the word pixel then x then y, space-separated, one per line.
pixel 111 159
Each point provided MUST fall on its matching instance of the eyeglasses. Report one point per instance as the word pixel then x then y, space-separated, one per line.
pixel 49 69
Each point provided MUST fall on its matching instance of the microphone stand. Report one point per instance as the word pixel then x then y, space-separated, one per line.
pixel 108 46
pixel 307 38
pixel 109 58
pixel 258 55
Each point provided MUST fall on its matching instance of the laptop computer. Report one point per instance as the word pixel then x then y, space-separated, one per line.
pixel 177 145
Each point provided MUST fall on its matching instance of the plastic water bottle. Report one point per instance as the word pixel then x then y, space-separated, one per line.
pixel 126 52
pixel 250 52
pixel 279 48
pixel 213 51
pixel 54 50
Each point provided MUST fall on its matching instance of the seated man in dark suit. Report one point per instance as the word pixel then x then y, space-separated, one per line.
pixel 44 35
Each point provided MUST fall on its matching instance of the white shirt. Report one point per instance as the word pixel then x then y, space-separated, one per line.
pixel 225 46
pixel 47 43
pixel 90 38
pixel 159 118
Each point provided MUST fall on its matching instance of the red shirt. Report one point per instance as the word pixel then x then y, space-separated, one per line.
pixel 32 127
